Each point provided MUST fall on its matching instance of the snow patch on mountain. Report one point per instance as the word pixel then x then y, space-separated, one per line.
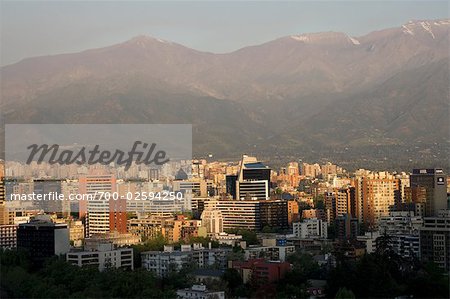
pixel 427 27
pixel 406 30
pixel 354 40
pixel 302 38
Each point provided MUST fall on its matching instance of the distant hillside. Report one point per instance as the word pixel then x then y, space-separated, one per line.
pixel 326 95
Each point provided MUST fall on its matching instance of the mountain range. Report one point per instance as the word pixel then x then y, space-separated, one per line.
pixel 378 100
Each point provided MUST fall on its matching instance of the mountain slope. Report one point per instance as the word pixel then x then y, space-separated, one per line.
pixel 312 95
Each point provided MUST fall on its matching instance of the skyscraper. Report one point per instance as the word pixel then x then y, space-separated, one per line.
pixel 380 192
pixel 103 214
pixel 253 181
pixel 435 183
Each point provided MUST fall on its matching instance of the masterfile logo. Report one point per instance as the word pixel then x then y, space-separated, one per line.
pixel 147 155
pixel 87 145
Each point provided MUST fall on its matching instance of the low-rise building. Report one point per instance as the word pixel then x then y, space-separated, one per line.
pixel 369 239
pixel 199 292
pixel 162 262
pixel 116 238
pixel 311 229
pixel 260 271
pixel 272 253
pixel 228 239
pixel 104 256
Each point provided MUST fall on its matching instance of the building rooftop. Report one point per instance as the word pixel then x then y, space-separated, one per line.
pixel 208 272
pixel 256 165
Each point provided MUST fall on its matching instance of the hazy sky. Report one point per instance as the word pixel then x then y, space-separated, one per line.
pixel 32 28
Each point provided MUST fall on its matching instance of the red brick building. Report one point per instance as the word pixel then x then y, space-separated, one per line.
pixel 260 271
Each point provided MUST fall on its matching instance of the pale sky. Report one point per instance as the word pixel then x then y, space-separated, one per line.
pixel 35 28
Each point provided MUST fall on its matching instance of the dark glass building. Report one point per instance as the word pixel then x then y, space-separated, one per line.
pixel 434 181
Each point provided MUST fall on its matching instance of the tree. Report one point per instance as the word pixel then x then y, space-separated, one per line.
pixel 343 293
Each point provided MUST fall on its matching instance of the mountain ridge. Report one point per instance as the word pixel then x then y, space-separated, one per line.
pixel 272 91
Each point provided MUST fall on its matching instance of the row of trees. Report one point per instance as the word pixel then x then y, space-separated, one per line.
pixel 59 279
pixel 386 274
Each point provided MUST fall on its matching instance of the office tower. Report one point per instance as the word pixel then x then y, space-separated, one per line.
pixel 435 183
pixel 435 240
pixel 273 214
pixel 415 199
pixel 43 238
pixel 380 192
pixel 231 185
pixel 347 227
pixel 253 179
pixel 240 214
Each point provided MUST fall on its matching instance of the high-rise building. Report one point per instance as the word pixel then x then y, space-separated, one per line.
pixel 231 185
pixel 435 240
pixel 343 201
pixel 241 214
pixel 104 213
pixel 253 180
pixel 435 183
pixel 380 192
pixel 347 227
pixel 273 214
pixel 43 238
pixel 415 199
